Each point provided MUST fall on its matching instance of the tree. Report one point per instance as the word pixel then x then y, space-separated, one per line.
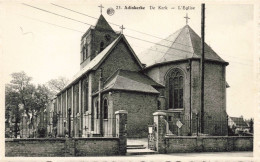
pixel 18 96
pixel 12 111
pixel 40 98
pixel 23 96
pixel 56 85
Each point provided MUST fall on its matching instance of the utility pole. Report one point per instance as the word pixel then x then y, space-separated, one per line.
pixel 202 65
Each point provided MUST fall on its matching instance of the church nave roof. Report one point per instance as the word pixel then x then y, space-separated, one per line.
pixel 94 64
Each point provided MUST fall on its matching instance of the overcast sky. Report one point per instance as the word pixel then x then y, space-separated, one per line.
pixel 32 43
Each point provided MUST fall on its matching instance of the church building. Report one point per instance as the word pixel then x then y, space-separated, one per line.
pixel 165 77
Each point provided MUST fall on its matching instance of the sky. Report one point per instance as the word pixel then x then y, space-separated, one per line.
pixel 46 46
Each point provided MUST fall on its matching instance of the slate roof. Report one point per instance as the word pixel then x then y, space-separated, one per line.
pixel 102 24
pixel 239 121
pixel 131 81
pixel 183 44
pixel 94 64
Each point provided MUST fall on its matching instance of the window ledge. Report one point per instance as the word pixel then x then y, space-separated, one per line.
pixel 176 110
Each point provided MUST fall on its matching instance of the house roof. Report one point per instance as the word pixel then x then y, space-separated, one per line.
pixel 239 121
pixel 131 81
pixel 183 44
pixel 97 61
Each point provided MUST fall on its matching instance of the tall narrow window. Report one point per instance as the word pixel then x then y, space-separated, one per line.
pixel 97 112
pixel 101 46
pixel 158 105
pixel 105 109
pixel 63 104
pixel 170 93
pixel 85 95
pixel 86 51
pixel 175 89
pixel 76 98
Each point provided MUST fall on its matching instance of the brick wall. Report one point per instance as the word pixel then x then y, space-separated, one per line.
pixel 97 146
pixel 119 58
pixel 215 99
pixel 94 38
pixel 171 143
pixel 98 37
pixel 140 108
pixel 34 147
pixel 215 94
pixel 60 147
pixel 208 144
pixel 215 116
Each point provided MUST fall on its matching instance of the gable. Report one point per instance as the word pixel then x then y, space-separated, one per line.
pixel 119 58
pixel 123 54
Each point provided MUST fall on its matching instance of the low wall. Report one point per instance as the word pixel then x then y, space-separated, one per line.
pixel 60 147
pixel 97 146
pixel 207 144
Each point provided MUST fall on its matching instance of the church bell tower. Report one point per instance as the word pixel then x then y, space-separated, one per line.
pixel 95 40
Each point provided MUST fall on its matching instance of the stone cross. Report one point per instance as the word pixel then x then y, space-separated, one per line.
pixel 187 18
pixel 122 28
pixel 101 8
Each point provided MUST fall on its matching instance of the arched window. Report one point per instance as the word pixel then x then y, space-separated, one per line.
pixel 105 109
pixel 101 46
pixel 175 85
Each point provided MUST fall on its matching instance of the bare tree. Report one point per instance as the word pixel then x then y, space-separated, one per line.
pixel 56 85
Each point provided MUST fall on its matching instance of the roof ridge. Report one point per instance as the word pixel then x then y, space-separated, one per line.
pixel 181 29
pixel 116 78
pixel 206 46
pixel 190 41
pixel 96 61
pixel 121 36
pixel 111 76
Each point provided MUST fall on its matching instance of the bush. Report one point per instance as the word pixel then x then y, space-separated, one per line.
pixel 231 132
pixel 42 132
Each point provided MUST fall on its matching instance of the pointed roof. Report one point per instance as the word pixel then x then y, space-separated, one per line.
pixel 102 24
pixel 98 60
pixel 183 44
pixel 131 81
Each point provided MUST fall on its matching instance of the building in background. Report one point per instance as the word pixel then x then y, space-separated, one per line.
pixel 238 125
